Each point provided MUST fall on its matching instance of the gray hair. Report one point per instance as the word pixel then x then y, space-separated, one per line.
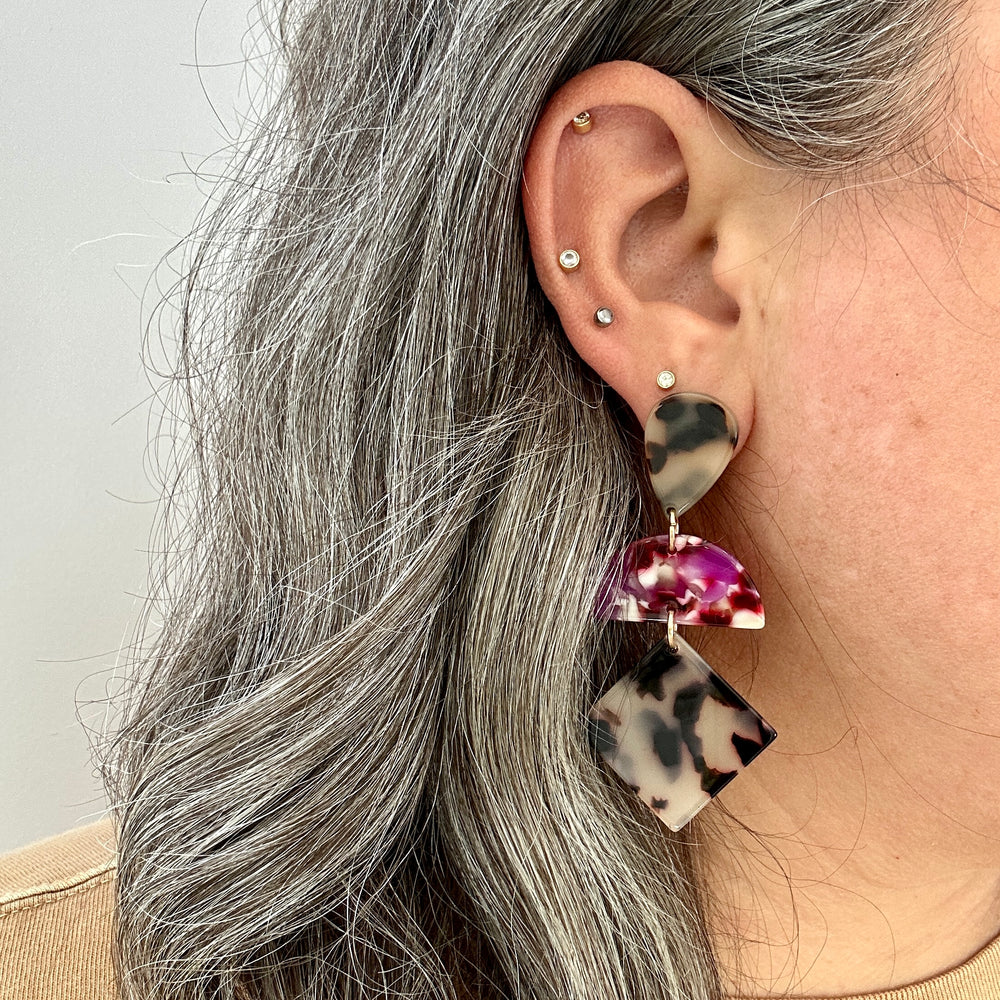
pixel 352 759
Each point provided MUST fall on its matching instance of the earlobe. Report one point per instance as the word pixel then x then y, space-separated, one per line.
pixel 641 197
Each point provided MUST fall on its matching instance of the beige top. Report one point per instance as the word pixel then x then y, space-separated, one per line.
pixel 57 910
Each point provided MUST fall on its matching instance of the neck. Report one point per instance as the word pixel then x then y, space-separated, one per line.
pixel 844 859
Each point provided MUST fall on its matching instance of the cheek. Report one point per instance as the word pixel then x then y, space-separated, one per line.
pixel 879 415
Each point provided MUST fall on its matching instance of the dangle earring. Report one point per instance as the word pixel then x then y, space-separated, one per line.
pixel 672 729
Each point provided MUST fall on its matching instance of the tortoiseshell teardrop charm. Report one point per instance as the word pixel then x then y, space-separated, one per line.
pixel 690 439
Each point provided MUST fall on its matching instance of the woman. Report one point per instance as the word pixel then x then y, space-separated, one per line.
pixel 355 761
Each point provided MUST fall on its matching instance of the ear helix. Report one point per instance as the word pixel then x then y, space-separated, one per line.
pixel 672 729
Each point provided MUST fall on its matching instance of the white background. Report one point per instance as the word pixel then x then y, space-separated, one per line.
pixel 103 118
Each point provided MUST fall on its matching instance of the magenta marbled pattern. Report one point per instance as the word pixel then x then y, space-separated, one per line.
pixel 701 583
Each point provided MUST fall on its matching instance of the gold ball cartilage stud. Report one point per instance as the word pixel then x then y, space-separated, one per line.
pixel 665 380
pixel 569 260
pixel 582 123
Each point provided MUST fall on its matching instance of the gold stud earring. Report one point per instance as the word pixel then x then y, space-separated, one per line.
pixel 582 123
pixel 665 380
pixel 569 260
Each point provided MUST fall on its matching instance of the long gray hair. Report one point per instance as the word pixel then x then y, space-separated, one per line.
pixel 352 760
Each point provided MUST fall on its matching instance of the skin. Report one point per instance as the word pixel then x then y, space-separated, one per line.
pixel 853 332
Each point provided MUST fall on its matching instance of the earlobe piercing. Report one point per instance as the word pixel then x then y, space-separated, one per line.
pixel 665 379
pixel 569 260
pixel 582 123
pixel 604 316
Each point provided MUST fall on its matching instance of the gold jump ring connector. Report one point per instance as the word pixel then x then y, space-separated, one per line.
pixel 671 631
pixel 672 530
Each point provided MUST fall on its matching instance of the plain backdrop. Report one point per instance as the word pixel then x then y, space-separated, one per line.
pixel 105 110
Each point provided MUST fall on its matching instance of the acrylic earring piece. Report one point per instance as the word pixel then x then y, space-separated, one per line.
pixel 676 732
pixel 694 581
pixel 690 439
pixel 672 729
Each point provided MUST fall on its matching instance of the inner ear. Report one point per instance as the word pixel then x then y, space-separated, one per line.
pixel 661 259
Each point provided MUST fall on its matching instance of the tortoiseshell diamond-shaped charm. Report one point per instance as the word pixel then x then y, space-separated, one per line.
pixel 675 732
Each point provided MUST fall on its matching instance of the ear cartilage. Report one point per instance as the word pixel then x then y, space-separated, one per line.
pixel 569 260
pixel 604 316
pixel 582 123
pixel 673 730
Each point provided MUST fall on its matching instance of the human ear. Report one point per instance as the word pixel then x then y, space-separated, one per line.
pixel 671 215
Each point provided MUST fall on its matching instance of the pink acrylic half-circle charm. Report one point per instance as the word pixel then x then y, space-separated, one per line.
pixel 701 583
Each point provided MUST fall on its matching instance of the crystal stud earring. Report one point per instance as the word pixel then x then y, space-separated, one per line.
pixel 569 260
pixel 665 379
pixel 582 123
pixel 604 316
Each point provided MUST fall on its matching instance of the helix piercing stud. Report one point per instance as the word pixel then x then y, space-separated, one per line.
pixel 582 123
pixel 604 316
pixel 665 380
pixel 569 260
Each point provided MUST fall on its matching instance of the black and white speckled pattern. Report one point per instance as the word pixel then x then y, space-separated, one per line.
pixel 675 732
pixel 690 439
